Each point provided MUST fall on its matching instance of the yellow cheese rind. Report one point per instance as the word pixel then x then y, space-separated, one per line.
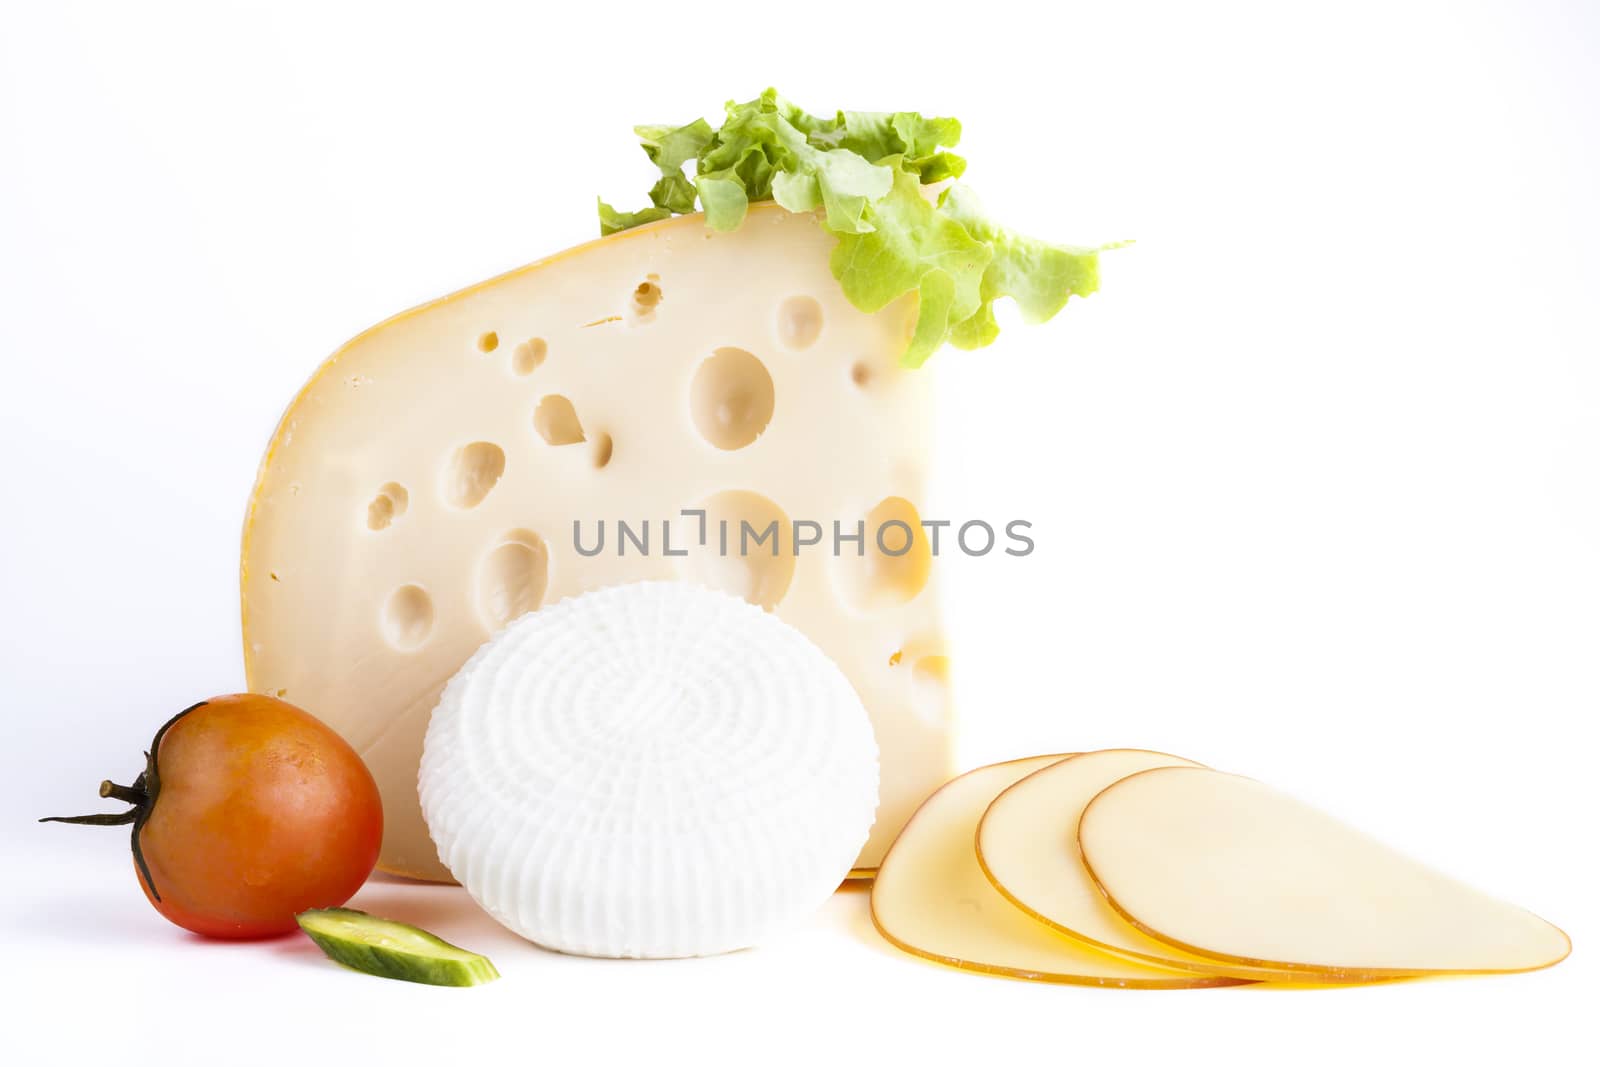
pixel 420 491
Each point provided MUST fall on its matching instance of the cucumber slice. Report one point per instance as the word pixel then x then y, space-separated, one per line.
pixel 392 950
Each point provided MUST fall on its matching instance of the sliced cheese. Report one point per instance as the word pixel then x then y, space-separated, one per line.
pixel 1028 848
pixel 650 771
pixel 422 490
pixel 1229 868
pixel 931 899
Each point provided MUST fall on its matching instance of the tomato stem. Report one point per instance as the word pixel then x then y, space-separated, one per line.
pixel 117 818
pixel 128 795
pixel 141 794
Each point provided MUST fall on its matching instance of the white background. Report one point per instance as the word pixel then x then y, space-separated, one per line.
pixel 1316 478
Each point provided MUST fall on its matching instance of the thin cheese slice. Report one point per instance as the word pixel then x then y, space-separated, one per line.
pixel 931 899
pixel 1028 848
pixel 1227 867
pixel 422 490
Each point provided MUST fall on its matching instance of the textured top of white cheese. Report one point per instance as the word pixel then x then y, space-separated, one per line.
pixel 651 770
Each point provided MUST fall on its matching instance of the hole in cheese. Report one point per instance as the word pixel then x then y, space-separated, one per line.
pixel 512 578
pixel 472 471
pixel 488 342
pixel 731 398
pixel 602 450
pixel 861 374
pixel 527 356
pixel 799 322
pixel 645 297
pixel 933 669
pixel 749 548
pixel 930 680
pixel 387 506
pixel 895 560
pixel 407 618
pixel 557 421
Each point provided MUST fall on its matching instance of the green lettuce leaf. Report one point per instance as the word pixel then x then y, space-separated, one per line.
pixel 613 221
pixel 1039 276
pixel 913 247
pixel 725 199
pixel 862 172
pixel 670 147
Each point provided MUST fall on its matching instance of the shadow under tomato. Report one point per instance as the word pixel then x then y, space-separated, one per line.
pixel 86 917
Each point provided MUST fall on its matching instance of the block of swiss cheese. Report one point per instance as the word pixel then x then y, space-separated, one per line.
pixel 422 489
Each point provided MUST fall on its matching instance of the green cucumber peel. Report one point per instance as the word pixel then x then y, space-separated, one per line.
pixel 390 949
pixel 862 174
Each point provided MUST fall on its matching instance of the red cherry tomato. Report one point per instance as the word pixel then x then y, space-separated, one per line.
pixel 249 812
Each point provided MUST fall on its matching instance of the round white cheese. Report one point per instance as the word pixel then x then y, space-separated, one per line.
pixel 650 770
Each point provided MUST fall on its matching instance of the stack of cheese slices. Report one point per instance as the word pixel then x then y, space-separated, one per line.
pixel 1137 869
